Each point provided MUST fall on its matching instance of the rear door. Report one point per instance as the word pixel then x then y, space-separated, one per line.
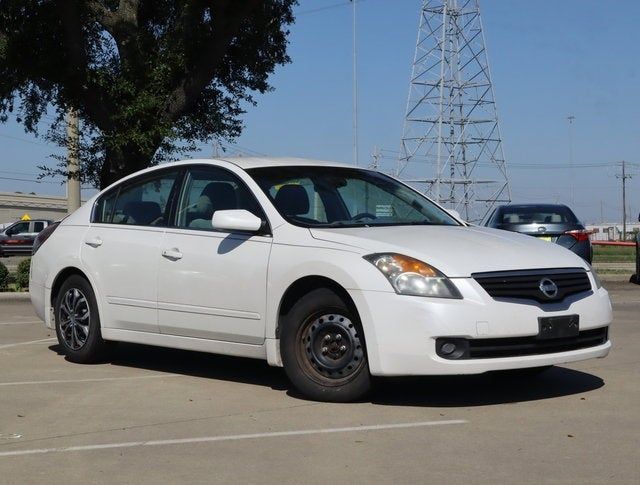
pixel 121 249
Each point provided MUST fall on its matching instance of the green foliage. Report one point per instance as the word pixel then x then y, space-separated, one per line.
pixel 613 254
pixel 22 273
pixel 148 78
pixel 4 277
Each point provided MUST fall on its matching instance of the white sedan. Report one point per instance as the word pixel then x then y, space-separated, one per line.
pixel 334 272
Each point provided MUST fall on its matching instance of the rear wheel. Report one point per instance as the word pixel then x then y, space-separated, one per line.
pixel 323 349
pixel 78 322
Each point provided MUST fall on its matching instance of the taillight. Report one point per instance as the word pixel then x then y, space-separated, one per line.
pixel 579 234
pixel 43 236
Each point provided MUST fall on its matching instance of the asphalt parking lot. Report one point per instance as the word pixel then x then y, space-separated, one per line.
pixel 166 416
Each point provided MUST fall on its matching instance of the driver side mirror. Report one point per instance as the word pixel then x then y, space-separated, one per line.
pixel 235 220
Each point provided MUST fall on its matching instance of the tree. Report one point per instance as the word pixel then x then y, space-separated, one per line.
pixel 148 78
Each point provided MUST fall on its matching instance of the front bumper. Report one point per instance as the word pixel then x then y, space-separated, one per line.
pixel 401 331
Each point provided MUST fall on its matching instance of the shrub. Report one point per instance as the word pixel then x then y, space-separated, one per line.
pixel 4 277
pixel 22 273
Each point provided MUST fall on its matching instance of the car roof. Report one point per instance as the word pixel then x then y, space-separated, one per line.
pixel 256 162
pixel 244 163
pixel 247 163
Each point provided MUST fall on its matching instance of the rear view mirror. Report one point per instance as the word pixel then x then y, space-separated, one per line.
pixel 236 220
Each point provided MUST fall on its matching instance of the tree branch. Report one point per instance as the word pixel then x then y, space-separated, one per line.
pixel 89 93
pixel 197 77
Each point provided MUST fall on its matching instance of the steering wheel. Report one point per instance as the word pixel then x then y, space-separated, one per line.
pixel 362 215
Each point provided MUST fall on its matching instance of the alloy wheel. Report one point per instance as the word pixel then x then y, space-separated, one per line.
pixel 74 317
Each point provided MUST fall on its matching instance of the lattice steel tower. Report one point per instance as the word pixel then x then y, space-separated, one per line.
pixel 451 140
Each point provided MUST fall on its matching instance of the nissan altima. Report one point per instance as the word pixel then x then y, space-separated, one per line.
pixel 333 272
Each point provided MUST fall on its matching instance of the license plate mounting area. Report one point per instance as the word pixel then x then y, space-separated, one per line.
pixel 558 327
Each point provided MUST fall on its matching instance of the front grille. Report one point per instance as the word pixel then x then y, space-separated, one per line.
pixel 527 284
pixel 519 346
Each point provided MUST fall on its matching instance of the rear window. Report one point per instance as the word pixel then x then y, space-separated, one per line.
pixel 536 215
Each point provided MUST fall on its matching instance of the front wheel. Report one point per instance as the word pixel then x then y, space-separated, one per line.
pixel 78 322
pixel 323 349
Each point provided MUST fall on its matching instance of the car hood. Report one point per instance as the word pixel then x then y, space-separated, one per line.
pixel 457 251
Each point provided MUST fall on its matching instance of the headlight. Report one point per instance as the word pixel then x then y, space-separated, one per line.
pixel 409 276
pixel 596 278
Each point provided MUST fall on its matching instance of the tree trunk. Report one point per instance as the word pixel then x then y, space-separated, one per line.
pixel 119 163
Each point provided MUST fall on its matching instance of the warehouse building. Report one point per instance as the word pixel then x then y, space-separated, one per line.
pixel 14 206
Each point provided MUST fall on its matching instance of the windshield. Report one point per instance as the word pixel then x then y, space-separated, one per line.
pixel 345 197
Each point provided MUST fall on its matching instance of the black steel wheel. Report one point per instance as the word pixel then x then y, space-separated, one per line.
pixel 323 349
pixel 78 322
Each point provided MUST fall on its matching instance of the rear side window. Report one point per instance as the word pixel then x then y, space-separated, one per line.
pixel 141 203
pixel 38 226
pixel 209 189
pixel 104 207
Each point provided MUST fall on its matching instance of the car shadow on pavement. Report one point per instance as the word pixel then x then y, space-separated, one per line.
pixel 484 389
pixel 432 391
pixel 195 364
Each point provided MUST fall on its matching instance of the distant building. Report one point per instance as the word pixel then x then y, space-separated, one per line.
pixel 611 231
pixel 13 206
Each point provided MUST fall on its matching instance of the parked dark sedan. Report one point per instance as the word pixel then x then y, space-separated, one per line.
pixel 18 238
pixel 549 222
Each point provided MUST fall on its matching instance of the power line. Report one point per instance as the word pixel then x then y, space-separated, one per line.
pixel 31 180
pixel 327 7
pixel 24 140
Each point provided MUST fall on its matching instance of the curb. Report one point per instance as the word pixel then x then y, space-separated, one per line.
pixel 14 296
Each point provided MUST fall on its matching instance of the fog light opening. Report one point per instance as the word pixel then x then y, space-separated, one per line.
pixel 452 348
pixel 448 348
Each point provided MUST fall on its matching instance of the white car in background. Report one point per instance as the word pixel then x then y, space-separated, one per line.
pixel 334 272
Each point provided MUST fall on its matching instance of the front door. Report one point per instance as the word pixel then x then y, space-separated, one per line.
pixel 212 284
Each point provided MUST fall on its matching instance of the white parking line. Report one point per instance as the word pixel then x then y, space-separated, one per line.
pixel 96 379
pixel 6 346
pixel 25 322
pixel 209 439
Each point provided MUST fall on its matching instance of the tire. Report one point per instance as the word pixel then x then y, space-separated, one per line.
pixel 78 322
pixel 323 349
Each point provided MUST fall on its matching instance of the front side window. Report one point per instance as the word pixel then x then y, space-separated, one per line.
pixel 207 190
pixel 140 203
pixel 345 197
pixel 19 228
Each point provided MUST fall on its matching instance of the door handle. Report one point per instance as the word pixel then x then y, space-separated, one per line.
pixel 94 242
pixel 173 254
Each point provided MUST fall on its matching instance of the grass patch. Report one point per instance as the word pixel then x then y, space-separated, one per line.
pixel 614 254
pixel 615 271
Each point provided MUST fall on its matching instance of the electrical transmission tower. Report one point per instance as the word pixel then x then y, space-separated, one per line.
pixel 451 140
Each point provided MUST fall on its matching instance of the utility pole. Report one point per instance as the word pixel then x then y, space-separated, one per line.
pixel 624 178
pixel 375 158
pixel 571 119
pixel 355 88
pixel 73 162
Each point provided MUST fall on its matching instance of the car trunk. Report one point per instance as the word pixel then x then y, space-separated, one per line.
pixel 547 232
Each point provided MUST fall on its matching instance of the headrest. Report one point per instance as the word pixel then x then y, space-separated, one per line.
pixel 221 194
pixel 142 212
pixel 292 200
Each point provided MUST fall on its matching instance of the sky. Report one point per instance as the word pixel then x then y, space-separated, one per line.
pixel 548 60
